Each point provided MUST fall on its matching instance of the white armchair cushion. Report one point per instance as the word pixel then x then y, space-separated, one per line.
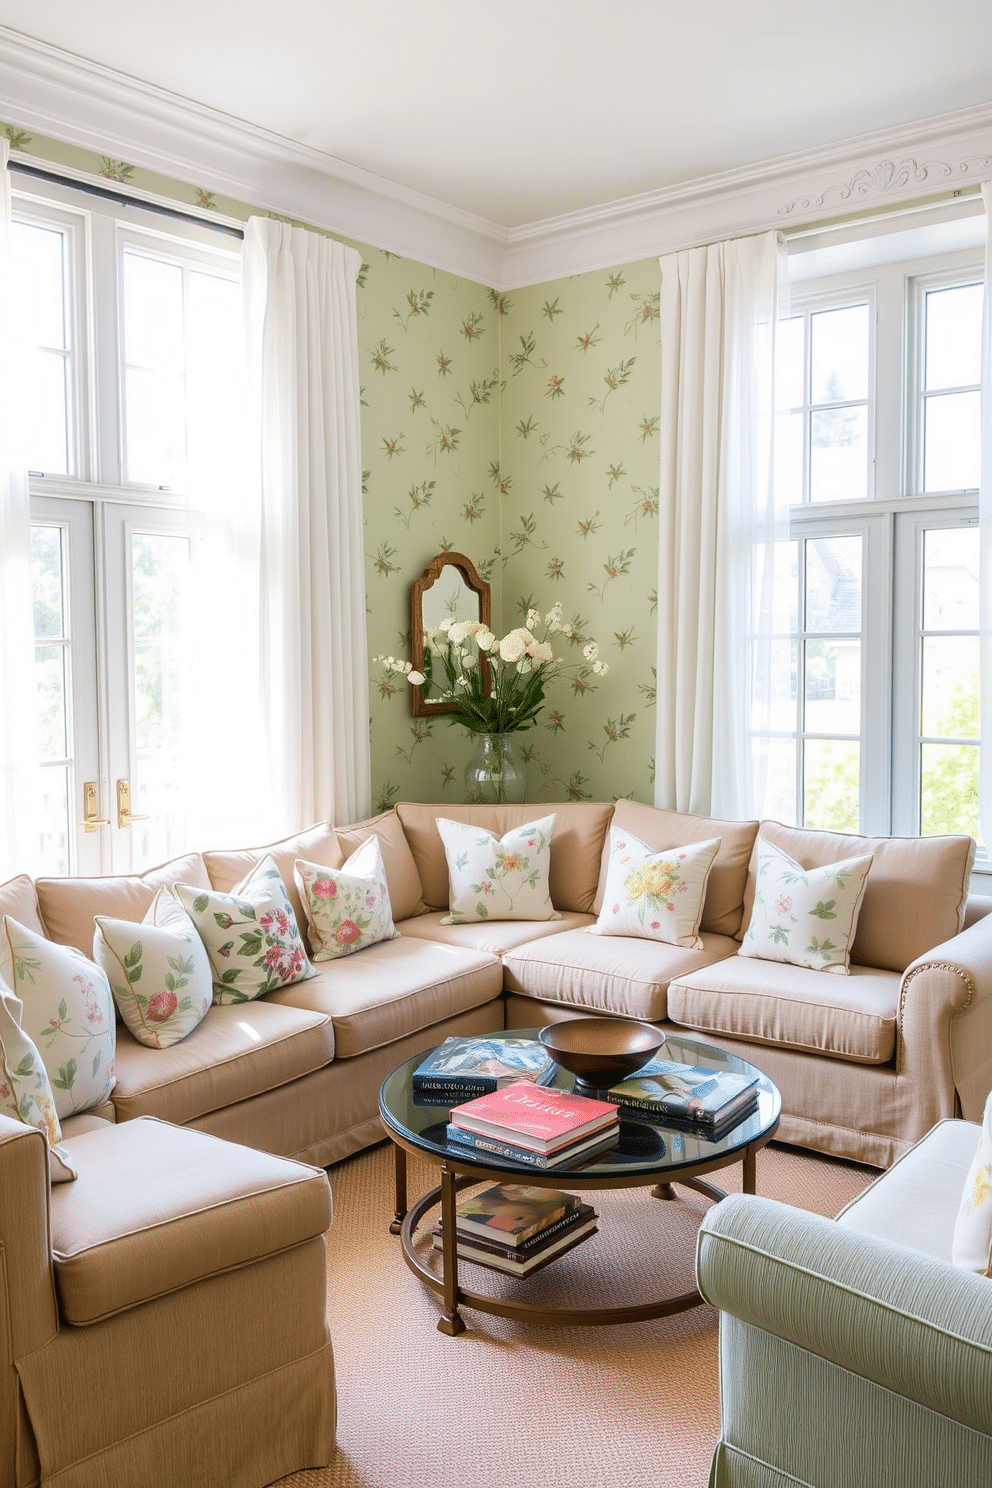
pixel 972 1245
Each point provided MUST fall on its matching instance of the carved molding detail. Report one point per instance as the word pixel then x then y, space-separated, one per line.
pixel 887 176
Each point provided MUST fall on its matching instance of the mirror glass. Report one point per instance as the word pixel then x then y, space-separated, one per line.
pixel 448 589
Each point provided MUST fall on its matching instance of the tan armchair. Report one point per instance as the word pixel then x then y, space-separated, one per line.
pixel 162 1316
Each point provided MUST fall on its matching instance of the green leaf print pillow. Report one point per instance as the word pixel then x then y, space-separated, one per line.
pixel 498 879
pixel 25 1089
pixel 68 1015
pixel 251 934
pixel 159 971
pixel 805 916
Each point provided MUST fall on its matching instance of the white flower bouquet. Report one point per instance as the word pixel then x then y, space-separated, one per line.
pixel 520 665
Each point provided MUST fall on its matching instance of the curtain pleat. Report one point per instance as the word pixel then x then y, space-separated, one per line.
pixel 303 368
pixel 719 307
pixel 985 541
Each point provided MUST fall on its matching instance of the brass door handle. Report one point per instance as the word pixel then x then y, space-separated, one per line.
pixel 125 817
pixel 91 822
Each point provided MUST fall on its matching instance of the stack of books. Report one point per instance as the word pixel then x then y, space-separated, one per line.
pixel 463 1067
pixel 709 1103
pixel 543 1128
pixel 518 1230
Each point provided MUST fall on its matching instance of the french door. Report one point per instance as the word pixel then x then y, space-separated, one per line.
pixel 113 586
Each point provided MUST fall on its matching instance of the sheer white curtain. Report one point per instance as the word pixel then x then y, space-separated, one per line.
pixel 19 828
pixel 308 548
pixel 718 522
pixel 985 539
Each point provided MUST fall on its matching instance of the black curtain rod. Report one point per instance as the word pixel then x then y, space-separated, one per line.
pixel 121 198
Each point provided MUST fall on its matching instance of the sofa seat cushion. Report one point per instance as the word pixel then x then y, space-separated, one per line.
pixel 238 1051
pixel 69 906
pixel 576 847
pixel 607 974
pixel 495 937
pixel 393 989
pixel 771 1002
pixel 158 1207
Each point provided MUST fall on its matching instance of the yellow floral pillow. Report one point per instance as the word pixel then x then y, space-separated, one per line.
pixel 655 895
pixel 972 1245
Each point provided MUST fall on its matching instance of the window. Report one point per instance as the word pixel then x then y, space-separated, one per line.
pixel 134 358
pixel 875 720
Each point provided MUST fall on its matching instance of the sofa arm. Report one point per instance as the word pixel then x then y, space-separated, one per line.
pixel 906 1321
pixel 945 1018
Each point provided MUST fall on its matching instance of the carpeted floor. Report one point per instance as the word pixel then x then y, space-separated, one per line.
pixel 512 1404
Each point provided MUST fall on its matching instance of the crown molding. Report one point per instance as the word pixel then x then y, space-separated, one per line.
pixel 84 104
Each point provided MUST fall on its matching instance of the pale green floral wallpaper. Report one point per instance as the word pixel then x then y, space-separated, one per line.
pixel 520 429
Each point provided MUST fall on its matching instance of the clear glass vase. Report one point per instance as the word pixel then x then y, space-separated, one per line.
pixel 495 774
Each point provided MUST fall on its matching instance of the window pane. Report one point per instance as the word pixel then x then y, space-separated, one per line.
pixel 831 784
pixel 53 811
pixel 53 720
pixel 949 790
pixel 789 457
pixel 953 337
pixel 950 578
pixel 45 433
pixel 39 270
pixel 779 798
pixel 839 354
pixel 838 469
pixel 153 314
pixel 950 687
pixel 161 599
pixel 833 584
pixel 833 686
pixel 789 368
pixel 156 429
pixel 952 445
pixel 47 581
pixel 782 681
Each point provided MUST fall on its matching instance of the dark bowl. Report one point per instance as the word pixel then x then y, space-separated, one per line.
pixel 599 1052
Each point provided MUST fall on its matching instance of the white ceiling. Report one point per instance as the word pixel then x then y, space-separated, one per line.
pixel 522 110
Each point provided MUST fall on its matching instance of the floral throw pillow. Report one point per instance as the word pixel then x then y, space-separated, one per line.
pixel 251 934
pixel 159 971
pixel 498 879
pixel 68 1013
pixel 805 916
pixel 348 907
pixel 25 1090
pixel 655 895
pixel 971 1248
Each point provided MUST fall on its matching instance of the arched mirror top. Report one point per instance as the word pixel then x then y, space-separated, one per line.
pixel 449 588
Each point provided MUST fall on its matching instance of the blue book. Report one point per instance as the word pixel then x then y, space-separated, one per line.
pixel 469 1065
pixel 488 1147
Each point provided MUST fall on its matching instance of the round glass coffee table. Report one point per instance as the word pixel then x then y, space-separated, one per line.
pixel 648 1155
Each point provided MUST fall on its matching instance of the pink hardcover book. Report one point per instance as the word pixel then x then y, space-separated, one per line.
pixel 539 1119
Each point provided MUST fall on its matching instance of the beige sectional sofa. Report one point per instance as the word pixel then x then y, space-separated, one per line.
pixel 867 1063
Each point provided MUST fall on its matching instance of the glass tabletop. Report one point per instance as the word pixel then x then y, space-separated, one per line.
pixel 645 1146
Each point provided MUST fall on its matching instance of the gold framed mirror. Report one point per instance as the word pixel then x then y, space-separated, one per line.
pixel 448 589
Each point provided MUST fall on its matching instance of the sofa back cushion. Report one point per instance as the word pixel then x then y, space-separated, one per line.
pixel 576 847
pixel 402 879
pixel 19 899
pixel 915 896
pixel 69 905
pixel 723 905
pixel 317 844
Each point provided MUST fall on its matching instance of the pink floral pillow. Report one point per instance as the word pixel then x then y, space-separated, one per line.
pixel 251 934
pixel 159 971
pixel 348 907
